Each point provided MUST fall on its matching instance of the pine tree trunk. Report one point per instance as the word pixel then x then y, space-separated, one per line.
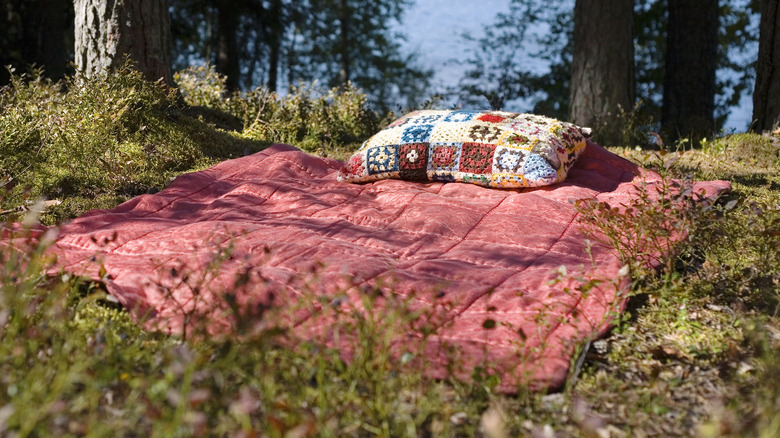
pixel 691 63
pixel 110 31
pixel 227 43
pixel 603 65
pixel 275 31
pixel 46 24
pixel 36 33
pixel 766 97
pixel 344 28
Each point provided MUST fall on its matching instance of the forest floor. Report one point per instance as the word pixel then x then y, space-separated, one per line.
pixel 697 352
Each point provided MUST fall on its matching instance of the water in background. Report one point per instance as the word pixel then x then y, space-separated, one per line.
pixel 434 29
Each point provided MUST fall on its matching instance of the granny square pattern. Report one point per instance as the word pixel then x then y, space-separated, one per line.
pixel 382 160
pixel 477 158
pixel 416 133
pixel 444 157
pixel 413 161
pixel 484 133
pixel 488 148
pixel 508 160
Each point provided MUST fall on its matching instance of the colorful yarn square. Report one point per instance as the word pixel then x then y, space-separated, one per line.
pixel 416 133
pixel 488 148
pixel 413 159
pixel 508 160
pixel 477 158
pixel 444 157
pixel 382 160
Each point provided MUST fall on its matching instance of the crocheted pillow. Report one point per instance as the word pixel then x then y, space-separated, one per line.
pixel 489 148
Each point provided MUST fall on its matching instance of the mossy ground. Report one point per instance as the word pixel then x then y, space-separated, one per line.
pixel 696 352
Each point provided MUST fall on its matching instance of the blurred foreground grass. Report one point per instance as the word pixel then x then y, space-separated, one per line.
pixel 697 352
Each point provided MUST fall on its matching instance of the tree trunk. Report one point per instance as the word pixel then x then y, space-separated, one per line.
pixel 110 31
pixel 46 25
pixel 227 43
pixel 343 47
pixel 691 63
pixel 275 32
pixel 603 66
pixel 36 32
pixel 766 97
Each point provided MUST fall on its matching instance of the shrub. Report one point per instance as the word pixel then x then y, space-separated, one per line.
pixel 308 116
pixel 95 142
pixel 624 126
pixel 201 86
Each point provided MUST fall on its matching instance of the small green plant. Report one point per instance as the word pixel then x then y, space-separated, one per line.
pixel 307 116
pixel 201 86
pixel 92 143
pixel 624 126
pixel 644 232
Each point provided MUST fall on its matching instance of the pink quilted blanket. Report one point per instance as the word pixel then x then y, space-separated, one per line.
pixel 479 266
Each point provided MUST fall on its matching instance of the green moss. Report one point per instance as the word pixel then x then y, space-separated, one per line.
pixel 750 147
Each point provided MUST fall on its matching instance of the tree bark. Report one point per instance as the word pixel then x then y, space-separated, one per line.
pixel 343 47
pixel 691 63
pixel 36 32
pixel 275 33
pixel 227 43
pixel 110 31
pixel 766 97
pixel 46 24
pixel 603 65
